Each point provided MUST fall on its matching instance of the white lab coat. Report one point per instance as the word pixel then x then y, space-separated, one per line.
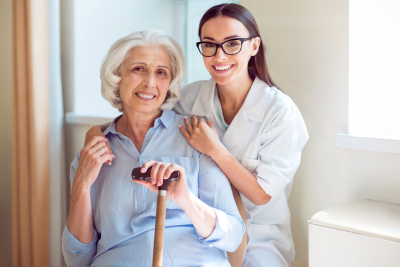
pixel 266 136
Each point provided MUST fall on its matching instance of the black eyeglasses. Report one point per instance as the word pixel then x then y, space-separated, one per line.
pixel 230 47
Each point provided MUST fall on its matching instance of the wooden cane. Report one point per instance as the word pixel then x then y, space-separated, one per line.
pixel 160 213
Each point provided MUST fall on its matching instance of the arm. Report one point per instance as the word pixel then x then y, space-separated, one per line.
pixel 204 138
pixel 241 178
pixel 216 192
pixel 79 237
pixel 278 156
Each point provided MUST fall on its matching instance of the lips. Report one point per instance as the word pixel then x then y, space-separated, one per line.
pixel 222 68
pixel 145 96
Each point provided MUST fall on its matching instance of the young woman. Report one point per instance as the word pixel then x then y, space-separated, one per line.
pixel 248 126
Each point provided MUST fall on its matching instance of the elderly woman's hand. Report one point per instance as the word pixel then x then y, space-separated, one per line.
pixel 97 131
pixel 177 191
pixel 92 157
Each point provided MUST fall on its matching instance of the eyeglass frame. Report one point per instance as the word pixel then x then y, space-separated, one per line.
pixel 220 45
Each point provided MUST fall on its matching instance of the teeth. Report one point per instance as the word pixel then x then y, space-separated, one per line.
pixel 223 68
pixel 145 96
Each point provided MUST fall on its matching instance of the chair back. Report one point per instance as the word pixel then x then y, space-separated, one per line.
pixel 236 258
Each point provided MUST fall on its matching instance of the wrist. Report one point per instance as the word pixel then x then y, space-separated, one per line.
pixel 80 186
pixel 218 152
pixel 187 203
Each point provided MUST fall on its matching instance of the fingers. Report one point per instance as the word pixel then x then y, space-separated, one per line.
pixel 105 157
pixel 209 123
pixel 171 168
pixel 201 120
pixel 188 125
pixel 91 152
pixel 161 174
pixel 100 152
pixel 147 165
pixel 92 142
pixel 194 120
pixel 109 151
pixel 147 184
pixel 184 133
pixel 153 173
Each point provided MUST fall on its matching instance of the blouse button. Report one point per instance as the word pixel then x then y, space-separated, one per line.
pixel 147 138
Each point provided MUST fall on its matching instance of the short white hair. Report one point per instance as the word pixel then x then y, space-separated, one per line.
pixel 115 57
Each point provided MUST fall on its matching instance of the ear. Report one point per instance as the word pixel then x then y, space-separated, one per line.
pixel 256 46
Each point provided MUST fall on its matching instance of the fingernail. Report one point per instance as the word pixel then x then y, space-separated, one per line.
pixel 180 126
pixel 113 155
pixel 109 163
pixel 142 169
pixel 185 117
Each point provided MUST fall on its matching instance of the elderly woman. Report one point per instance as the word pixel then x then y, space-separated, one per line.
pixel 111 218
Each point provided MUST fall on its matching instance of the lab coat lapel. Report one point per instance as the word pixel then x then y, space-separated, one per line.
pixel 204 101
pixel 238 130
pixel 204 106
pixel 253 109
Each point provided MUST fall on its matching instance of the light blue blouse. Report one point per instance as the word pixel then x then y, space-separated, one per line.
pixel 124 212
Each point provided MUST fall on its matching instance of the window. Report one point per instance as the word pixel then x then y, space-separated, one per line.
pixel 374 58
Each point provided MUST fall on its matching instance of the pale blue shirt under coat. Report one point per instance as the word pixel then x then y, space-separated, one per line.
pixel 124 211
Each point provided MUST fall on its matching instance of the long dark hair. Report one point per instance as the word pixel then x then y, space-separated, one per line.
pixel 257 66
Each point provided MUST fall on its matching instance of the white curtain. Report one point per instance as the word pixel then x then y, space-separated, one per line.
pixel 58 205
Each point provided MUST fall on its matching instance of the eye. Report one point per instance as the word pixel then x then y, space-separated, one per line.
pixel 162 72
pixel 138 69
pixel 207 45
pixel 233 43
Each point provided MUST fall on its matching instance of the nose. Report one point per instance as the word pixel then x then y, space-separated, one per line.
pixel 149 81
pixel 220 55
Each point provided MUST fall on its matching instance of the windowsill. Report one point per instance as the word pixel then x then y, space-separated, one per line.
pixel 76 119
pixel 368 143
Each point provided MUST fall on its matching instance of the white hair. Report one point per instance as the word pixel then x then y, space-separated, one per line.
pixel 115 57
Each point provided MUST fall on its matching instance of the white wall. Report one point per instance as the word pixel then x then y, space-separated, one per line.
pixel 5 130
pixel 307 52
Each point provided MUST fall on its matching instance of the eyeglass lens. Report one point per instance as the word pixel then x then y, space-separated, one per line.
pixel 230 47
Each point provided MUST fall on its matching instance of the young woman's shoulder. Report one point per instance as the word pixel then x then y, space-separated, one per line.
pixel 188 96
pixel 280 110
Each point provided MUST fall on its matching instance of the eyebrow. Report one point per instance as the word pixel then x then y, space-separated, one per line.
pixel 226 38
pixel 143 63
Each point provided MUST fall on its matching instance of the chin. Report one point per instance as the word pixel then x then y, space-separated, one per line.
pixel 222 80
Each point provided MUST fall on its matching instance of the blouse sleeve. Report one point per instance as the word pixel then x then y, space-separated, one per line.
pixel 215 191
pixel 281 144
pixel 75 252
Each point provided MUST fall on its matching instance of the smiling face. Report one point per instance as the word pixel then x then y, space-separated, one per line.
pixel 224 68
pixel 145 78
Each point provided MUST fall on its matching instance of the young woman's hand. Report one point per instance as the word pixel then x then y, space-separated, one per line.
pixel 201 135
pixel 177 191
pixel 97 131
pixel 92 157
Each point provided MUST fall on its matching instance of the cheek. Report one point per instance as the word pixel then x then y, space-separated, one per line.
pixel 163 87
pixel 128 83
pixel 207 61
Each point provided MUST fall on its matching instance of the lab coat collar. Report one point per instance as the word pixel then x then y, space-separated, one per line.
pixel 252 109
pixel 256 101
